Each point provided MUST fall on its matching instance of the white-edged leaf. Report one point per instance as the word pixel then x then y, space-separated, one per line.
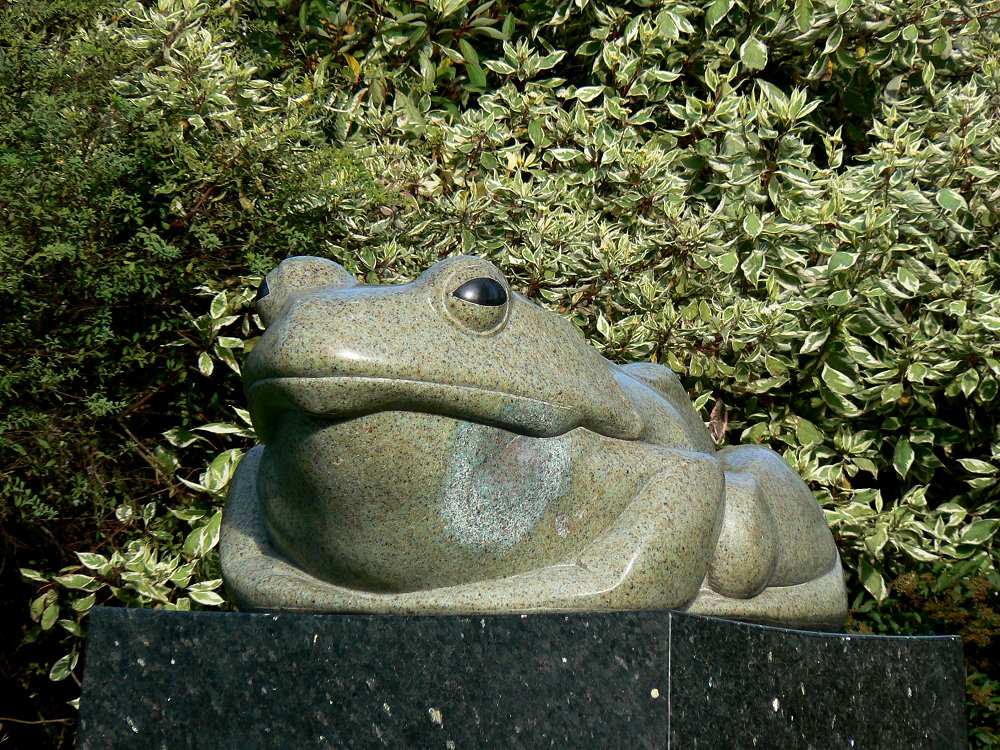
pixel 74 581
pixel 753 53
pixel 717 11
pixel 752 224
pixel 838 381
pixel 205 364
pixel 950 201
pixel 62 668
pixel 902 457
pixel 979 531
pixel 207 598
pixel 975 466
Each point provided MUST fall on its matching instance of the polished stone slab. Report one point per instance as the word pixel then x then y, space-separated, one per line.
pixel 587 680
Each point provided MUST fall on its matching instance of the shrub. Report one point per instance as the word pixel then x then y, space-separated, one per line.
pixel 139 158
pixel 791 204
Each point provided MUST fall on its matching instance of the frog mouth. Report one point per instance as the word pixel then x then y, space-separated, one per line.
pixel 346 397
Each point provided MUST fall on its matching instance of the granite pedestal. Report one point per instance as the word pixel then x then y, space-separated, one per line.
pixel 588 680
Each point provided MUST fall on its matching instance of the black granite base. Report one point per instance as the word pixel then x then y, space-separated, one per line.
pixel 610 680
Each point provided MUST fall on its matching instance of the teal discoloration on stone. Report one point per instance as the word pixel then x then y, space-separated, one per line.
pixel 448 446
pixel 498 485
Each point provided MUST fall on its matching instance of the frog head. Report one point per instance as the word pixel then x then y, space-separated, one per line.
pixel 455 342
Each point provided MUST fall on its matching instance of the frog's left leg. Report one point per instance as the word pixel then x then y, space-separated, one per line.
pixel 775 561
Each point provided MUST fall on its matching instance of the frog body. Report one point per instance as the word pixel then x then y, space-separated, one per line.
pixel 448 446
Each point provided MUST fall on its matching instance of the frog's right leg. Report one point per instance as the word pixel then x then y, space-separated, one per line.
pixel 775 561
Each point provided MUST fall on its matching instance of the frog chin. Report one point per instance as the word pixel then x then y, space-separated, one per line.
pixel 348 397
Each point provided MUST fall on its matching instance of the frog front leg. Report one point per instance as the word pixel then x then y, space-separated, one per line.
pixel 654 556
pixel 775 560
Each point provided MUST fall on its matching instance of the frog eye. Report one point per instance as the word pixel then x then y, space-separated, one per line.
pixel 480 304
pixel 262 291
pixel 483 291
pixel 294 277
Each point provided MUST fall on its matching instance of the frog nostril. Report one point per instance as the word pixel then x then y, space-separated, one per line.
pixel 482 291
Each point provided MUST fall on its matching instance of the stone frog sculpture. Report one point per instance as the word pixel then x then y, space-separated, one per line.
pixel 447 446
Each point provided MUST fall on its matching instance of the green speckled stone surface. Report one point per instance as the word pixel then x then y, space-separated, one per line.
pixel 446 446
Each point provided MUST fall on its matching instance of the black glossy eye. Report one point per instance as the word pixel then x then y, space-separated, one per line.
pixel 262 291
pixel 483 291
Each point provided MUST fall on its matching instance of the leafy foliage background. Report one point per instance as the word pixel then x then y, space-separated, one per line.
pixel 793 204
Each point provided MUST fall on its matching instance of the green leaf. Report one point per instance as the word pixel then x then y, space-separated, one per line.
pixel 564 154
pixel 968 382
pixel 62 668
pixel 979 531
pixel 908 280
pixel 41 603
pixel 842 6
pixel 477 77
pixel 72 627
pixel 210 585
pixel 468 51
pixel 33 576
pixel 872 580
pixel 753 266
pixel 877 540
pixel 509 24
pixel 717 11
pixel 753 53
pixel 981 173
pixel 902 457
pixel 840 298
pixel 92 560
pixel 205 364
pixel 501 67
pixel 975 466
pixel 84 604
pixel 803 14
pixel 204 538
pixel 841 260
pixel 444 7
pixel 916 372
pixel 49 616
pixel 218 307
pixel 666 27
pixel 917 553
pixel 729 262
pixel 814 340
pixel 838 403
pixel 892 393
pixel 989 322
pixel 752 224
pixel 838 381
pixel 950 201
pixel 75 581
pixel 588 93
pixel 207 598
pixel 833 40
pixel 807 433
